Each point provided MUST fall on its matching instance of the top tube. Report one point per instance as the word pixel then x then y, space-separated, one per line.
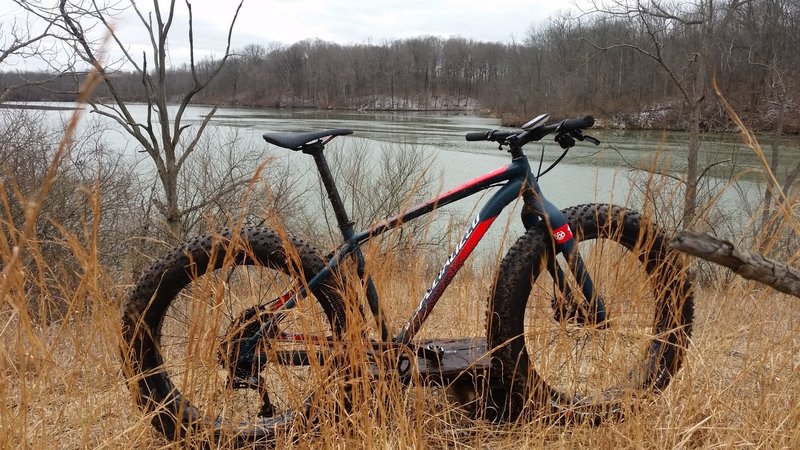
pixel 518 169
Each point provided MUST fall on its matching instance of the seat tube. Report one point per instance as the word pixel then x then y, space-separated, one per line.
pixel 346 227
pixel 344 222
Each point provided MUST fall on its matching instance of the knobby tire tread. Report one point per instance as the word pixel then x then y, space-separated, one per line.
pixel 517 387
pixel 159 285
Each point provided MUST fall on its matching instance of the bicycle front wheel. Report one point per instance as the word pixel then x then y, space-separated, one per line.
pixel 547 360
pixel 192 313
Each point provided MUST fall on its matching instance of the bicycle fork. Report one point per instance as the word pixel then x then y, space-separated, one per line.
pixel 591 310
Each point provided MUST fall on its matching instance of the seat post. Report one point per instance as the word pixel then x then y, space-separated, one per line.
pixel 344 222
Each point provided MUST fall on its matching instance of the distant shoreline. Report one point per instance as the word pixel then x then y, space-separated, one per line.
pixel 664 118
pixel 37 107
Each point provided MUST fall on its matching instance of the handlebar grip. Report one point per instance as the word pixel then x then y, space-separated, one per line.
pixel 478 135
pixel 577 123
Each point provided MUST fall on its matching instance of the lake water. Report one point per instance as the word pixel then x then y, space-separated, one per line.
pixel 587 174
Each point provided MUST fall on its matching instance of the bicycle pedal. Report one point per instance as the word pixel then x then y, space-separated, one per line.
pixel 438 349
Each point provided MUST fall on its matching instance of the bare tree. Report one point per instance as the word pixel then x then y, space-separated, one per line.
pixel 689 68
pixel 163 133
pixel 33 45
pixel 87 179
pixel 769 32
pixel 362 173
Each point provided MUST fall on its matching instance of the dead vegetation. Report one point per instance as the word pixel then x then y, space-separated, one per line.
pixel 62 380
pixel 62 383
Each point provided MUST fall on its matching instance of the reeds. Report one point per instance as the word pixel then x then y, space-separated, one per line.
pixel 62 380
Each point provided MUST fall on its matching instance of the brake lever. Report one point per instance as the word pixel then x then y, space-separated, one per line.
pixel 593 140
pixel 578 134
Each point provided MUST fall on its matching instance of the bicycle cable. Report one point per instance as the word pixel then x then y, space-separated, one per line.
pixel 555 163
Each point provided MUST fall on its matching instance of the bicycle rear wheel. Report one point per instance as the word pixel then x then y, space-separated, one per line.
pixel 547 361
pixel 188 318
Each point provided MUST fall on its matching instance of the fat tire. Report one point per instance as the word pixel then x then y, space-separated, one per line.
pixel 172 414
pixel 517 387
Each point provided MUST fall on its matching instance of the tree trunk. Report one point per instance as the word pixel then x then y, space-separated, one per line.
pixel 690 197
pixel 771 188
pixel 173 215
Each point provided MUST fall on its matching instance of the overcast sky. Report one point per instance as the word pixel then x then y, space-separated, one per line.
pixel 347 21
pixel 341 21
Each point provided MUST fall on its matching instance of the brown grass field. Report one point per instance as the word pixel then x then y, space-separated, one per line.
pixel 62 383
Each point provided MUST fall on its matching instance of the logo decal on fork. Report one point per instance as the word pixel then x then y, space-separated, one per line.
pixel 562 234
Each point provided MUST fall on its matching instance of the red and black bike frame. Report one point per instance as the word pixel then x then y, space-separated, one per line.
pixel 514 180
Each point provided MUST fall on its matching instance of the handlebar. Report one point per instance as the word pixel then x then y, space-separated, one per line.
pixel 490 135
pixel 577 123
pixel 521 137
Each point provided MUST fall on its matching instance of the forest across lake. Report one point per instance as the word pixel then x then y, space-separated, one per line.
pixel 633 68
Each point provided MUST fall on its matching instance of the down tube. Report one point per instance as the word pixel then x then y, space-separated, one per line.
pixel 465 246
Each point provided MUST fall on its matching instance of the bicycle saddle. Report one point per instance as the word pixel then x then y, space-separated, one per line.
pixel 296 141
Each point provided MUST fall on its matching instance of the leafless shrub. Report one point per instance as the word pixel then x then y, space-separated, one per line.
pixel 90 169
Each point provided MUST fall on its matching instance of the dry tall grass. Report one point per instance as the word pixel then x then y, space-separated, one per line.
pixel 62 386
pixel 62 383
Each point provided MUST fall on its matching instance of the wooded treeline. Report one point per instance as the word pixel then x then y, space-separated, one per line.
pixel 570 65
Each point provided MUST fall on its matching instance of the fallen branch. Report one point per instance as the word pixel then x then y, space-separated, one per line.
pixel 747 264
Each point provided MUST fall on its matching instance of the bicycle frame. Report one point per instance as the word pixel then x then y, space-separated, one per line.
pixel 515 180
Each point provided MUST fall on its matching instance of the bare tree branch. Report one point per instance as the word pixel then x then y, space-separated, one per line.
pixel 161 136
pixel 192 145
pixel 199 86
pixel 745 263
pixel 24 42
